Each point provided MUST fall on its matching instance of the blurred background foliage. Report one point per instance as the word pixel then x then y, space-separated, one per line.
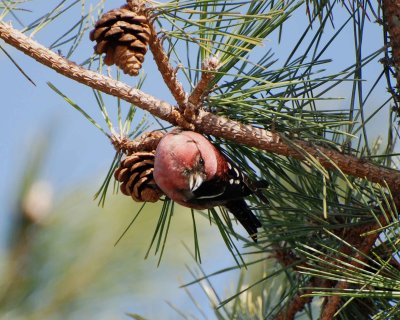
pixel 61 262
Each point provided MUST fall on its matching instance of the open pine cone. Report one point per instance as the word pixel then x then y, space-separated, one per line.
pixel 136 176
pixel 123 35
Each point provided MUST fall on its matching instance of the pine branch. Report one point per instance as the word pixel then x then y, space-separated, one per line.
pixel 208 73
pixel 353 238
pixel 364 246
pixel 148 141
pixel 391 14
pixel 205 122
pixel 166 70
pixel 203 86
pixel 287 259
pixel 90 78
pixel 298 302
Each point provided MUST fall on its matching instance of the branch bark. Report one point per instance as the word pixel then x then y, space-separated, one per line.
pixel 205 122
pixel 167 71
pixel 210 66
pixel 364 245
pixel 354 237
pixel 391 13
pixel 298 303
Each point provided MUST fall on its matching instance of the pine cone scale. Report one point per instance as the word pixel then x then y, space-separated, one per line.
pixel 109 59
pixel 144 37
pixel 136 176
pixel 127 38
pixel 132 180
pixel 109 17
pixel 101 47
pixel 121 173
pixel 124 190
pixel 97 33
pixel 113 32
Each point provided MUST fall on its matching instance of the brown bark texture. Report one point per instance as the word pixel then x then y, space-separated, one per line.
pixel 189 115
pixel 205 122
pixel 352 238
pixel 391 13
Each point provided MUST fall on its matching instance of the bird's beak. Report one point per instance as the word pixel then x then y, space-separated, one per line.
pixel 195 181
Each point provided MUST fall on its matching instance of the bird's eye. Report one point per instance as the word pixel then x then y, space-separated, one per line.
pixel 201 161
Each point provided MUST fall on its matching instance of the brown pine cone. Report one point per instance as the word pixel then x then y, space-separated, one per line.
pixel 136 176
pixel 123 35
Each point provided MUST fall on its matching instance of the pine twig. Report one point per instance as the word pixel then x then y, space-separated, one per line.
pixel 298 302
pixel 332 304
pixel 206 122
pixel 167 71
pixel 203 86
pixel 148 141
pixel 364 246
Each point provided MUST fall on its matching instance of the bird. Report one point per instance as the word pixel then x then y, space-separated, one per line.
pixel 191 171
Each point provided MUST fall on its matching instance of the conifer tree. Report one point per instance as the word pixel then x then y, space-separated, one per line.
pixel 328 245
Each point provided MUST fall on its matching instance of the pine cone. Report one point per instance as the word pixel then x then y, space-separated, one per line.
pixel 123 35
pixel 136 176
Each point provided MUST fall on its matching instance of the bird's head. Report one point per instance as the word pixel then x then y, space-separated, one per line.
pixel 183 161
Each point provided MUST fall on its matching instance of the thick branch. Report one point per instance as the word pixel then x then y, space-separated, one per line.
pixel 333 302
pixel 354 237
pixel 298 302
pixel 391 13
pixel 92 79
pixel 272 142
pixel 206 122
pixel 364 246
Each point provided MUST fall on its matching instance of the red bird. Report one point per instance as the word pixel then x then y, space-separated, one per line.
pixel 191 171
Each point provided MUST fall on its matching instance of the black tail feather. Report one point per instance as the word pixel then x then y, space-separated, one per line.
pixel 245 216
